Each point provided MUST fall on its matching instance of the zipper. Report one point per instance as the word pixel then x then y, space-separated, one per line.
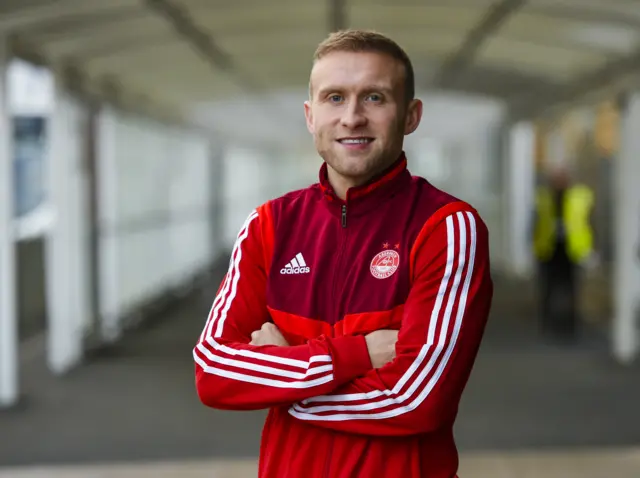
pixel 338 271
pixel 338 268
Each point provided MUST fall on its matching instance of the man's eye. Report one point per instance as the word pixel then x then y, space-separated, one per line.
pixel 335 98
pixel 375 97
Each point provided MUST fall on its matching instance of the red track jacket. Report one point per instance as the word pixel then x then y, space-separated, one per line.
pixel 398 253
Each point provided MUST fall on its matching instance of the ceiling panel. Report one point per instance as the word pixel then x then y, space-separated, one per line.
pixel 124 41
pixel 574 33
pixel 427 42
pixel 603 8
pixel 274 43
pixel 554 62
pixel 394 16
pixel 32 16
pixel 469 4
pixel 150 59
pixel 236 18
pixel 104 27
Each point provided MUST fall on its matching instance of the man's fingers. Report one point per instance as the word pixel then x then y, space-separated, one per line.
pixel 268 334
pixel 254 337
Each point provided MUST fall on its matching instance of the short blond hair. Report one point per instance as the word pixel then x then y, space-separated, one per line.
pixel 369 41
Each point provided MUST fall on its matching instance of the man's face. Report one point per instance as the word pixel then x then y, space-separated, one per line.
pixel 358 113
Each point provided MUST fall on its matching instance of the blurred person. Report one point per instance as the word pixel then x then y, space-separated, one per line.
pixel 353 309
pixel 562 244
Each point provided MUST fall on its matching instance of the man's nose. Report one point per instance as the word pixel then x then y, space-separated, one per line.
pixel 353 117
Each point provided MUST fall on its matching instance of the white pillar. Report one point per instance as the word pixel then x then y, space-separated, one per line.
pixel 107 136
pixel 626 277
pixel 519 191
pixel 8 313
pixel 64 331
pixel 216 159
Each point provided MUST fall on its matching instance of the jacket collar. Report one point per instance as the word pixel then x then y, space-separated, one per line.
pixel 367 196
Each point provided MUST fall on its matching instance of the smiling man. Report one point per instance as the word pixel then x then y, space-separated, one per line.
pixel 353 309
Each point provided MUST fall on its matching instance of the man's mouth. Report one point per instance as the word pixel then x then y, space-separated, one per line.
pixel 359 140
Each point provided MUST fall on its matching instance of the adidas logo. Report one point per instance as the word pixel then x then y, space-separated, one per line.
pixel 296 266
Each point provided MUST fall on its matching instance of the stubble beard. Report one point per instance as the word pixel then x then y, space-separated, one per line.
pixel 357 167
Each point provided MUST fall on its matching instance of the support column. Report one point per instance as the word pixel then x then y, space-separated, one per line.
pixel 626 260
pixel 64 293
pixel 520 183
pixel 216 199
pixel 8 313
pixel 107 218
pixel 93 268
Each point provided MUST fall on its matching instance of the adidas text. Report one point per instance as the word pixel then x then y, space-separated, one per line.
pixel 295 270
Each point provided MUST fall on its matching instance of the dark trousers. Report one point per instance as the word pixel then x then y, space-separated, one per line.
pixel 558 295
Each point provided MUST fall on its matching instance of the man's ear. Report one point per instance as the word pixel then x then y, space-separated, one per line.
pixel 308 114
pixel 414 115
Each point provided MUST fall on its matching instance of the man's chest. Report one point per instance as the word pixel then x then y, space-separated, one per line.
pixel 335 280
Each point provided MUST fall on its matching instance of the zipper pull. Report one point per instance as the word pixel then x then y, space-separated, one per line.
pixel 344 215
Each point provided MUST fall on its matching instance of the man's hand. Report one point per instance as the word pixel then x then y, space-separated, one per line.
pixel 269 334
pixel 382 346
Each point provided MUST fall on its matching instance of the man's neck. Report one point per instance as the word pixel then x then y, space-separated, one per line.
pixel 342 184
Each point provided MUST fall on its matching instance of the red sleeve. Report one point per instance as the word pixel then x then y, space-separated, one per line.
pixel 231 374
pixel 443 323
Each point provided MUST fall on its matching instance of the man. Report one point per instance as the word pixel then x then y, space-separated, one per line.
pixel 353 309
pixel 562 242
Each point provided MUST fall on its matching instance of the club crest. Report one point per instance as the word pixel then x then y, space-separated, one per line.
pixel 384 264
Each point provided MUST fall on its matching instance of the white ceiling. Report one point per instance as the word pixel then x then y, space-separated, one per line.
pixel 184 54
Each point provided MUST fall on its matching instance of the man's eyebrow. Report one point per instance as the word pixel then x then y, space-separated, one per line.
pixel 328 89
pixel 331 89
pixel 381 88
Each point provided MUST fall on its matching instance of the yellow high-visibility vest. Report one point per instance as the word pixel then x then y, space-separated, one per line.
pixel 576 209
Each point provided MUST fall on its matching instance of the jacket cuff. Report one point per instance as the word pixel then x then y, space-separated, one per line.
pixel 350 358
